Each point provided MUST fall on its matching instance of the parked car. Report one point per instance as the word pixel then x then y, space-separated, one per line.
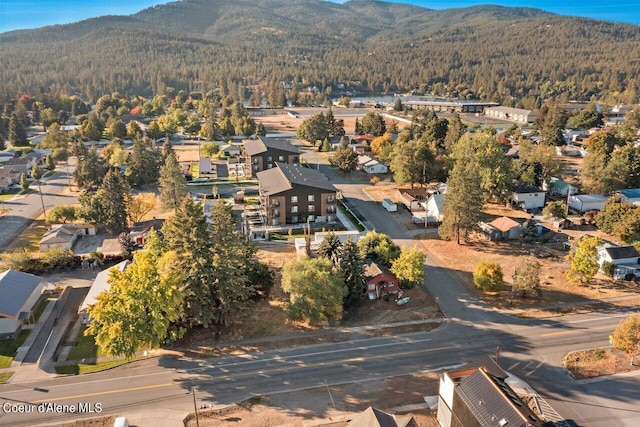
pixel 403 301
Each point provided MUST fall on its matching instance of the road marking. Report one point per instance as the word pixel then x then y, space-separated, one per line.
pixel 598 319
pixel 100 393
pixel 573 331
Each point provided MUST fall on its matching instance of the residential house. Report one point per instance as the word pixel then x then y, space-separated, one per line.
pixel 10 174
pixel 140 230
pixel 618 255
pixel 370 165
pixel 379 281
pixel 263 153
pixel 292 194
pixel 527 197
pixel 558 187
pixel 517 115
pixel 65 235
pixel 5 184
pixel 478 395
pixel 630 195
pixel 582 203
pixel 231 150
pixel 372 417
pixel 505 229
pixel 434 208
pixel 99 285
pixel 19 293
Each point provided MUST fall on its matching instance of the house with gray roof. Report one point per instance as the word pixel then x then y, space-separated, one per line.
pixel 477 395
pixel 263 153
pixel 99 285
pixel 19 293
pixel 291 194
pixel 517 115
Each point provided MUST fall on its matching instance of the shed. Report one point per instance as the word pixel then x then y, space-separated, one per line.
pixel 434 208
pixel 409 201
pixel 19 293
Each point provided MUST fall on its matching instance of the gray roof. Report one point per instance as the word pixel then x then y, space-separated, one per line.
pixel 15 289
pixel 523 188
pixel 621 252
pixel 101 284
pixel 262 144
pixel 372 417
pixel 491 400
pixel 284 176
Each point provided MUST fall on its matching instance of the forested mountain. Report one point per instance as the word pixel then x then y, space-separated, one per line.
pixel 506 54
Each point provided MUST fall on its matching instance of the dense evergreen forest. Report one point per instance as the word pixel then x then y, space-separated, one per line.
pixel 516 56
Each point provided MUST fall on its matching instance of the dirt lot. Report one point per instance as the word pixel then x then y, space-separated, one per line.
pixel 599 362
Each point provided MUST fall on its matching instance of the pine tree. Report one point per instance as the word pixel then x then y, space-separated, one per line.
pixel 115 196
pixel 24 182
pixel 17 133
pixel 50 164
pixel 187 233
pixel 330 248
pixel 173 185
pixel 352 268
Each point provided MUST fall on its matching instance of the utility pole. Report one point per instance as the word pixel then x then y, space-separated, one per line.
pixel 44 212
pixel 195 408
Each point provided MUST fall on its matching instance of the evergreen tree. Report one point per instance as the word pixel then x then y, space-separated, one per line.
pixel 24 182
pixel 144 163
pixel 153 131
pixel 90 169
pixel 36 173
pixel 49 163
pixel 330 248
pixel 17 132
pixel 115 196
pixel 187 233
pixel 463 201
pixel 352 268
pixel 173 185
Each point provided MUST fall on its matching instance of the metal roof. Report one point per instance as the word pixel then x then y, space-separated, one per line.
pixel 621 252
pixel 101 284
pixel 15 289
pixel 262 144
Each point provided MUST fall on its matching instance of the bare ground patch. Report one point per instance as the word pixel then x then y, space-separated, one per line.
pixel 599 362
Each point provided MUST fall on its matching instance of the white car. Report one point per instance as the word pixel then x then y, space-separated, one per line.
pixel 403 301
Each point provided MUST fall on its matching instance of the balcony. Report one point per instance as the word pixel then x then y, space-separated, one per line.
pixel 331 199
pixel 331 209
pixel 275 212
pixel 275 203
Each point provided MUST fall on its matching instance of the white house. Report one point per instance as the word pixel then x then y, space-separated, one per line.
pixel 371 165
pixel 231 150
pixel 618 255
pixel 527 197
pixel 99 285
pixel 343 236
pixel 19 293
pixel 65 235
pixel 582 203
pixel 433 207
pixel 517 115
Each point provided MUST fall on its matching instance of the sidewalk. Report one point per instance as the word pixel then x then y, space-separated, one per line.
pixel 515 312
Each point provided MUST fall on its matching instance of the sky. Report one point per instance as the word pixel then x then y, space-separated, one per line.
pixel 23 14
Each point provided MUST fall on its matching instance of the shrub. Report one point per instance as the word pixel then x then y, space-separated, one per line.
pixel 21 260
pixel 488 276
pixel 57 258
pixel 626 336
pixel 608 268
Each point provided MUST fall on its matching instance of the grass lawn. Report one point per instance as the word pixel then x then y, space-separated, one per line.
pixel 30 237
pixel 40 308
pixel 8 349
pixel 4 377
pixel 87 368
pixel 9 194
pixel 85 347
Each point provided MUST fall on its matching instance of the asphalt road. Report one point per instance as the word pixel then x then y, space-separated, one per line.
pixel 24 210
pixel 531 349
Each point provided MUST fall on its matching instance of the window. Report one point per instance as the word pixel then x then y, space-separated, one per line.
pixel 294 199
pixel 269 159
pixel 311 218
pixel 294 209
pixel 294 219
pixel 255 160
pixel 311 208
pixel 270 165
pixel 296 160
pixel 281 158
pixel 311 198
pixel 330 218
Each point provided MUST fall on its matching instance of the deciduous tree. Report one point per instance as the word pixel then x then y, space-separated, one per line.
pixel 409 267
pixel 345 159
pixel 584 260
pixel 315 292
pixel 140 205
pixel 626 336
pixel 487 276
pixel 136 312
pixel 526 279
pixel 62 214
pixel 379 248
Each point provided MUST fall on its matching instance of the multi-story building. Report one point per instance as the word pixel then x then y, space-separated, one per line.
pixel 292 194
pixel 263 153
